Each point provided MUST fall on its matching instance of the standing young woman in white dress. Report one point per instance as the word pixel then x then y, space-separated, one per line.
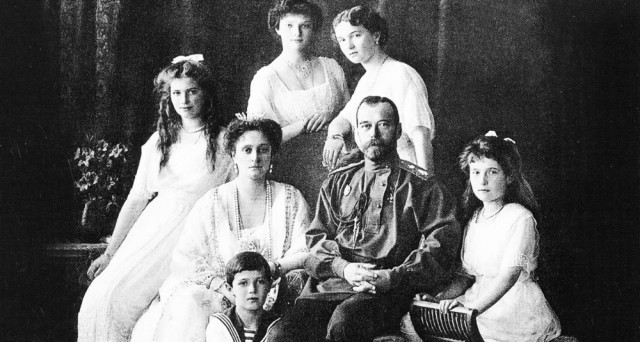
pixel 500 250
pixel 249 213
pixel 300 91
pixel 362 34
pixel 181 161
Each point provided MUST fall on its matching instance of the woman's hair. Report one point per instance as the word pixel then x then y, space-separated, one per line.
pixel 302 7
pixel 505 153
pixel 169 122
pixel 247 261
pixel 268 127
pixel 365 16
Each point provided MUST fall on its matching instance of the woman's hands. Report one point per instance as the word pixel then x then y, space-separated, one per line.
pixel 426 297
pixel 318 121
pixel 295 129
pixel 448 304
pixel 445 305
pixel 338 129
pixel 98 265
pixel 331 152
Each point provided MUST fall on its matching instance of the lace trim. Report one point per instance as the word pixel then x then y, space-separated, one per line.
pixel 291 209
pixel 215 245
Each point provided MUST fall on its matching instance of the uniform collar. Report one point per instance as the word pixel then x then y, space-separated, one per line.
pixel 387 164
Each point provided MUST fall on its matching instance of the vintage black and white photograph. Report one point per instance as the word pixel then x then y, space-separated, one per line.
pixel 317 170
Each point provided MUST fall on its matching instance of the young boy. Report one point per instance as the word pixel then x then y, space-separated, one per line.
pixel 249 279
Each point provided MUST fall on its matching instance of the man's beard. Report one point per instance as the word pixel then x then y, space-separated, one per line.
pixel 377 150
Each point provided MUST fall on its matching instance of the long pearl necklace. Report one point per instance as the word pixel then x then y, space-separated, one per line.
pixel 240 226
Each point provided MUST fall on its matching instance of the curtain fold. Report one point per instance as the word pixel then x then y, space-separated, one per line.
pixel 107 23
pixel 76 60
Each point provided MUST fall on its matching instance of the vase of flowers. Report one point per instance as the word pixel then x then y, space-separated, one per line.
pixel 103 177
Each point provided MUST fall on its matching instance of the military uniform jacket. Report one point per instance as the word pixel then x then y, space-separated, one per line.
pixel 394 216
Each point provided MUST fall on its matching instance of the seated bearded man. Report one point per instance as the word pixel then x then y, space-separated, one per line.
pixel 383 231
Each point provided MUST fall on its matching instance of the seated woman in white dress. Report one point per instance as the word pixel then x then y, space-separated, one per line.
pixel 500 249
pixel 362 34
pixel 181 161
pixel 250 213
pixel 300 91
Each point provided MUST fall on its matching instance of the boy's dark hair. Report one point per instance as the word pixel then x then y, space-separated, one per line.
pixel 247 261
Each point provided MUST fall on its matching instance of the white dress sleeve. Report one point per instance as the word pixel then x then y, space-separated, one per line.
pixel 339 82
pixel 349 111
pixel 261 97
pixel 414 106
pixel 521 247
pixel 146 180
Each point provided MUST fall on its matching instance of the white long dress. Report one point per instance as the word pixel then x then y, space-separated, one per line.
pixel 188 297
pixel 523 313
pixel 119 295
pixel 404 86
pixel 299 162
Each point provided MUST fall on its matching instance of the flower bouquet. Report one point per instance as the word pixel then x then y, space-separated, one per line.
pixel 103 178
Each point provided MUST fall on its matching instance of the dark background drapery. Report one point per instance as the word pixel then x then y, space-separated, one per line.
pixel 559 77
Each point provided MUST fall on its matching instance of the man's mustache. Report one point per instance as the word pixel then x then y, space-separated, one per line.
pixel 375 142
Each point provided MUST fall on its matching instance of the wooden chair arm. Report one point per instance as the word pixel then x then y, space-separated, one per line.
pixel 459 324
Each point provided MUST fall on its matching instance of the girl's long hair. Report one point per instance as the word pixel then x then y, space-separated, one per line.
pixel 505 153
pixel 170 123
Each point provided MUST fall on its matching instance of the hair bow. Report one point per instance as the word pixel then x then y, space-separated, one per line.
pixel 242 116
pixel 194 58
pixel 250 116
pixel 493 134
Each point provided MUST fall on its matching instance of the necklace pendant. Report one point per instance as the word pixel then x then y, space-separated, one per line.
pixel 303 69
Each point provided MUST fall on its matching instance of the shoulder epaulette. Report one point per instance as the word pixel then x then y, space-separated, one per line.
pixel 414 169
pixel 347 167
